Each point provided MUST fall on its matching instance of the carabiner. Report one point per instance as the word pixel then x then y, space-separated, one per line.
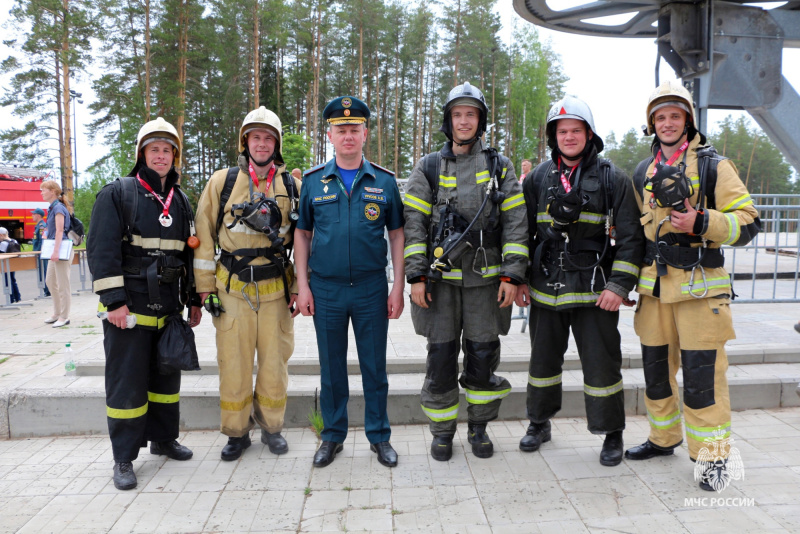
pixel 594 275
pixel 244 293
pixel 691 282
pixel 485 269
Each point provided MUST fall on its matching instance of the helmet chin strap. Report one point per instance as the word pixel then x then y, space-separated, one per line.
pixel 259 163
pixel 678 140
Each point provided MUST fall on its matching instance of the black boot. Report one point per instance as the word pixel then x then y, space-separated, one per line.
pixel 537 434
pixel 482 446
pixel 442 448
pixel 276 443
pixel 611 454
pixel 715 477
pixel 124 477
pixel 235 447
pixel 171 449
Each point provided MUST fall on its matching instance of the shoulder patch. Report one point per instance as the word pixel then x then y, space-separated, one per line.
pixel 387 171
pixel 314 169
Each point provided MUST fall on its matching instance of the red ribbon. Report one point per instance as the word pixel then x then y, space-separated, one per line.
pixel 150 190
pixel 270 176
pixel 674 157
pixel 565 179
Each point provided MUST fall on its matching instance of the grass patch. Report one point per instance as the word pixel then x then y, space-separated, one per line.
pixel 315 418
pixel 307 491
pixel 3 360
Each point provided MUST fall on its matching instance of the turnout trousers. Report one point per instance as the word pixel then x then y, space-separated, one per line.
pixel 598 341
pixel 243 333
pixel 141 404
pixel 470 315
pixel 690 334
pixel 363 303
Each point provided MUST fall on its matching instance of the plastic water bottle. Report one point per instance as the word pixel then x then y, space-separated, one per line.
pixel 130 320
pixel 69 361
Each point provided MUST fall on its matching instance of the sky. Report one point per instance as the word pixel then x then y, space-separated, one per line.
pixel 614 76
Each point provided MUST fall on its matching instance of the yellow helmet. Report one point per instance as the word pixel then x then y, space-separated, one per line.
pixel 160 130
pixel 671 93
pixel 262 118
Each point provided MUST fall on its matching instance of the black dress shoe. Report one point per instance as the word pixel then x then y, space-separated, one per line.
pixel 124 477
pixel 715 477
pixel 171 449
pixel 235 447
pixel 276 443
pixel 326 453
pixel 647 450
pixel 537 434
pixel 386 454
pixel 611 454
pixel 442 448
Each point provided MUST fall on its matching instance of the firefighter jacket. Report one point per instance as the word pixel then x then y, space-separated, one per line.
pixel 210 273
pixel 731 220
pixel 565 280
pixel 463 181
pixel 140 262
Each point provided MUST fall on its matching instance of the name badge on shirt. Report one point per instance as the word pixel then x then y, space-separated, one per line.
pixel 324 199
pixel 372 197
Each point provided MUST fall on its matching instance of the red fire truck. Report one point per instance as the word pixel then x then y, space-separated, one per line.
pixel 19 196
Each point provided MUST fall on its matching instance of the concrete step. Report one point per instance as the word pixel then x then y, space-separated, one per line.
pixel 309 364
pixel 52 404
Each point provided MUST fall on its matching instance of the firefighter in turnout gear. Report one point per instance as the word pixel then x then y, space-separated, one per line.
pixel 587 246
pixel 140 260
pixel 249 212
pixel 692 202
pixel 466 252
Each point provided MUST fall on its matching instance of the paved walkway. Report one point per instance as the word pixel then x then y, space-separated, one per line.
pixel 64 485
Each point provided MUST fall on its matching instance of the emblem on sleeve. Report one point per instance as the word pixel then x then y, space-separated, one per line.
pixel 372 211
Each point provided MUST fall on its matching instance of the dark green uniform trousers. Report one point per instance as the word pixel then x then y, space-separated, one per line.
pixel 364 303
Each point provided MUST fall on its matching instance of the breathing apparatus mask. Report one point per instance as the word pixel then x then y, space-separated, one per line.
pixel 448 242
pixel 261 214
pixel 670 186
pixel 564 209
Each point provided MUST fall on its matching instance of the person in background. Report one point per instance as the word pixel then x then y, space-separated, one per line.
pixel 526 168
pixel 8 244
pixel 297 174
pixel 39 231
pixel 57 277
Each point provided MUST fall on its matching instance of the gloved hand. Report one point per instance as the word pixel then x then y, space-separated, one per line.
pixel 213 305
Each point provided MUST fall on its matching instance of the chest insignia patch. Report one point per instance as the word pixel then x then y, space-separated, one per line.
pixel 371 197
pixel 322 199
pixel 373 190
pixel 372 211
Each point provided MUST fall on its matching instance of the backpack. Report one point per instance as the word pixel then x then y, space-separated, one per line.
pixel 76 231
pixel 431 163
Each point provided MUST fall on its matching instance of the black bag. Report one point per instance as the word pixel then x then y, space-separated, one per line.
pixel 176 348
pixel 76 230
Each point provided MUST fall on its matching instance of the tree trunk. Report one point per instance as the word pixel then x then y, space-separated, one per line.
pixel 146 60
pixel 360 49
pixel 458 38
pixel 59 113
pixel 379 155
pixel 397 109
pixel 183 52
pixel 256 56
pixel 66 176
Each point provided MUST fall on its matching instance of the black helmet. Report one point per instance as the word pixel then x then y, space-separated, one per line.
pixel 469 95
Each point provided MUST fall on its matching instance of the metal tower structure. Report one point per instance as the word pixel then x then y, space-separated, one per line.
pixel 728 54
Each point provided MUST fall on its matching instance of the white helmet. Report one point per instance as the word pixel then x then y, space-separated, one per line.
pixel 571 107
pixel 670 93
pixel 159 130
pixel 260 119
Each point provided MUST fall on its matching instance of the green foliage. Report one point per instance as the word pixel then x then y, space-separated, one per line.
pixel 315 418
pixel 100 174
pixel 296 151
pixel 629 152
pixel 761 165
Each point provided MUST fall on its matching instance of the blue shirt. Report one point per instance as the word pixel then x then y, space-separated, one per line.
pixel 348 176
pixel 348 231
pixel 57 207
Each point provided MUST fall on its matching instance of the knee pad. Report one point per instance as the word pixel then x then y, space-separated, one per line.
pixel 656 371
pixel 481 359
pixel 442 373
pixel 698 377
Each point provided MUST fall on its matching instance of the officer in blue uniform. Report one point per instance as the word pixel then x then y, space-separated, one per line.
pixel 340 255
